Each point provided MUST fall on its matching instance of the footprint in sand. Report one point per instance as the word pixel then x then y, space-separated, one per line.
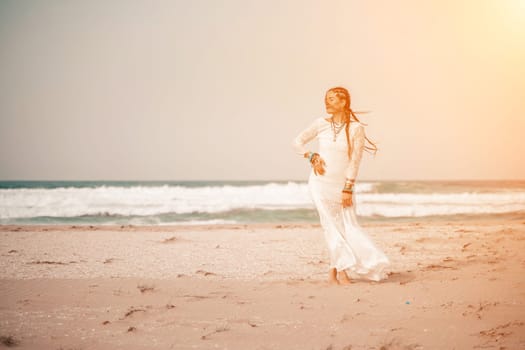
pixel 146 288
pixel 172 239
pixel 24 302
pixel 218 329
pixel 447 304
pixel 402 248
pixel 463 230
pixel 437 267
pixel 495 334
pixel 205 273
pixel 479 309
pixel 395 344
pixel 465 246
pixel 131 311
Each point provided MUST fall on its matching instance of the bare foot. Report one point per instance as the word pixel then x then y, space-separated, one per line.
pixel 332 276
pixel 343 278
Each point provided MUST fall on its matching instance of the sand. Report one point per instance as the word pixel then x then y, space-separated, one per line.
pixel 455 285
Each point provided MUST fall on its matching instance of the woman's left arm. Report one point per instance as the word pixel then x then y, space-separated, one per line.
pixel 305 136
pixel 358 145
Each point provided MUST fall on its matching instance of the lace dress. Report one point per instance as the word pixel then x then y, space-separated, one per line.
pixel 350 247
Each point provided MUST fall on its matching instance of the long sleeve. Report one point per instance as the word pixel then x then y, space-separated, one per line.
pixel 358 145
pixel 305 136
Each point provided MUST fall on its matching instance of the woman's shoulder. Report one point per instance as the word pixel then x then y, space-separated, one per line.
pixel 317 123
pixel 321 121
pixel 356 124
pixel 357 127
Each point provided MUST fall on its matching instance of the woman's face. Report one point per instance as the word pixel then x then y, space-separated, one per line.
pixel 333 103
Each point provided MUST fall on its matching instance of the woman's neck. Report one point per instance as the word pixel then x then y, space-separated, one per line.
pixel 338 117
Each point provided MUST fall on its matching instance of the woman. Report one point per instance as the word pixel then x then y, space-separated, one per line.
pixel 331 185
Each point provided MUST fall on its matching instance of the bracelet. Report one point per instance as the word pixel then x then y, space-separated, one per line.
pixel 312 154
pixel 347 191
pixel 348 188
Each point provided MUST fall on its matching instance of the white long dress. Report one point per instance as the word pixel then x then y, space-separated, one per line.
pixel 350 247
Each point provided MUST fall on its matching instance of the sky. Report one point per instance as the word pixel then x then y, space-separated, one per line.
pixel 218 89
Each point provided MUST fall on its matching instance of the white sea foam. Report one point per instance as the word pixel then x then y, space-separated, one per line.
pixel 151 201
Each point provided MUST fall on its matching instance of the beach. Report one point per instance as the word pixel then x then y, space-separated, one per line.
pixel 451 285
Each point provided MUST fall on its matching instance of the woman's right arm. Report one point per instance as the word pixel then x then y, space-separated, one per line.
pixel 305 136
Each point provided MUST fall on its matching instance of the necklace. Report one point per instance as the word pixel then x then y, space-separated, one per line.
pixel 336 127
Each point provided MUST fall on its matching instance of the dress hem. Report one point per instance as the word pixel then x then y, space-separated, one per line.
pixel 377 273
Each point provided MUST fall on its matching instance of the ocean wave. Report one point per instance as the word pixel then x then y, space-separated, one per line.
pixel 152 200
pixel 170 203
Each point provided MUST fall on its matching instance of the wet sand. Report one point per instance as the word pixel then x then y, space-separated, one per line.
pixel 451 286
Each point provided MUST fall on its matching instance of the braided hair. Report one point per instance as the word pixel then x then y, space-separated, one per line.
pixel 350 115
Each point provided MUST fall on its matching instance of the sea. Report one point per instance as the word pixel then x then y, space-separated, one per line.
pixel 245 202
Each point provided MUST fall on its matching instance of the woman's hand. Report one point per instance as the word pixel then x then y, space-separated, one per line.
pixel 318 164
pixel 347 199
